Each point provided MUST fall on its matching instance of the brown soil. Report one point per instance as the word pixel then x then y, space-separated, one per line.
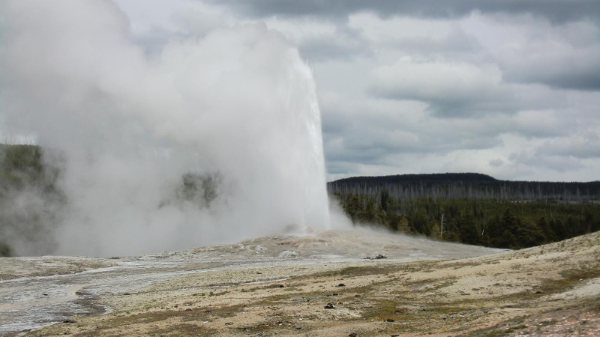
pixel 551 290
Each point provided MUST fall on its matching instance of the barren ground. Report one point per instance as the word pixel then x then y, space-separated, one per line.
pixel 319 285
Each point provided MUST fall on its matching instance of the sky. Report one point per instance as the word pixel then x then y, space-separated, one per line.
pixel 509 88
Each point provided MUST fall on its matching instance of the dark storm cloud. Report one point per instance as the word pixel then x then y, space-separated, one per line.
pixel 554 10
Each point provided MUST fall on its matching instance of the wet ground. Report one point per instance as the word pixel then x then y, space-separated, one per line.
pixel 36 292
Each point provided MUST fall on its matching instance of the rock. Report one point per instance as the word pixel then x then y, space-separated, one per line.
pixel 288 254
pixel 389 320
pixel 329 306
pixel 378 257
pixel 352 334
pixel 341 285
pixel 69 321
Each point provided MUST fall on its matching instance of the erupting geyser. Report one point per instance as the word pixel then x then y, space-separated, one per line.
pixel 215 138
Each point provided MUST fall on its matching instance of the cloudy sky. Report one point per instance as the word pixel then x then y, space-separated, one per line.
pixel 509 88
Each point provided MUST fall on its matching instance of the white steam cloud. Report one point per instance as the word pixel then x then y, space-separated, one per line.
pixel 215 138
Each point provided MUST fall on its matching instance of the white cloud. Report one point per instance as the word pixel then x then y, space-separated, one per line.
pixel 390 73
pixel 530 49
pixel 451 88
pixel 411 35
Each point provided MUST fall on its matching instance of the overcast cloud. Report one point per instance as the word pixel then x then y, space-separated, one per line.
pixel 506 88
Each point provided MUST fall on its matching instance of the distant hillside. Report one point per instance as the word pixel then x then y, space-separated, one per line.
pixel 431 178
pixel 29 200
pixel 465 186
pixel 472 208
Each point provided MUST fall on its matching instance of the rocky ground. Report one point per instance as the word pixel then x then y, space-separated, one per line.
pixel 328 284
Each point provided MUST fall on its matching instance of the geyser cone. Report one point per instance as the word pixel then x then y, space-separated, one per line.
pixel 216 138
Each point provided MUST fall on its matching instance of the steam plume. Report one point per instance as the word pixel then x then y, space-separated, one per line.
pixel 215 138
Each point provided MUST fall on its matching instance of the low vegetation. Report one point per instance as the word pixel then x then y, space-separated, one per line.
pixel 31 202
pixel 474 210
pixel 29 199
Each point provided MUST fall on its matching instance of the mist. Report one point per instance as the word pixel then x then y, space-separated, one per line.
pixel 212 139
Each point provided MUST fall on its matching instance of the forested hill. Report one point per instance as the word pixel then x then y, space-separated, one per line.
pixel 472 208
pixel 436 177
pixel 465 186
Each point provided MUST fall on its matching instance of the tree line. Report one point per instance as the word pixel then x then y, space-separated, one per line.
pixel 32 203
pixel 29 199
pixel 465 186
pixel 473 209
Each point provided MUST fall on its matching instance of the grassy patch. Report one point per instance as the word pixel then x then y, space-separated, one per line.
pixel 176 322
pixel 184 329
pixel 570 278
pixel 428 318
pixel 379 269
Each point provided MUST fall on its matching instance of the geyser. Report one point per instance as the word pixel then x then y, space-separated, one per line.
pixel 215 138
